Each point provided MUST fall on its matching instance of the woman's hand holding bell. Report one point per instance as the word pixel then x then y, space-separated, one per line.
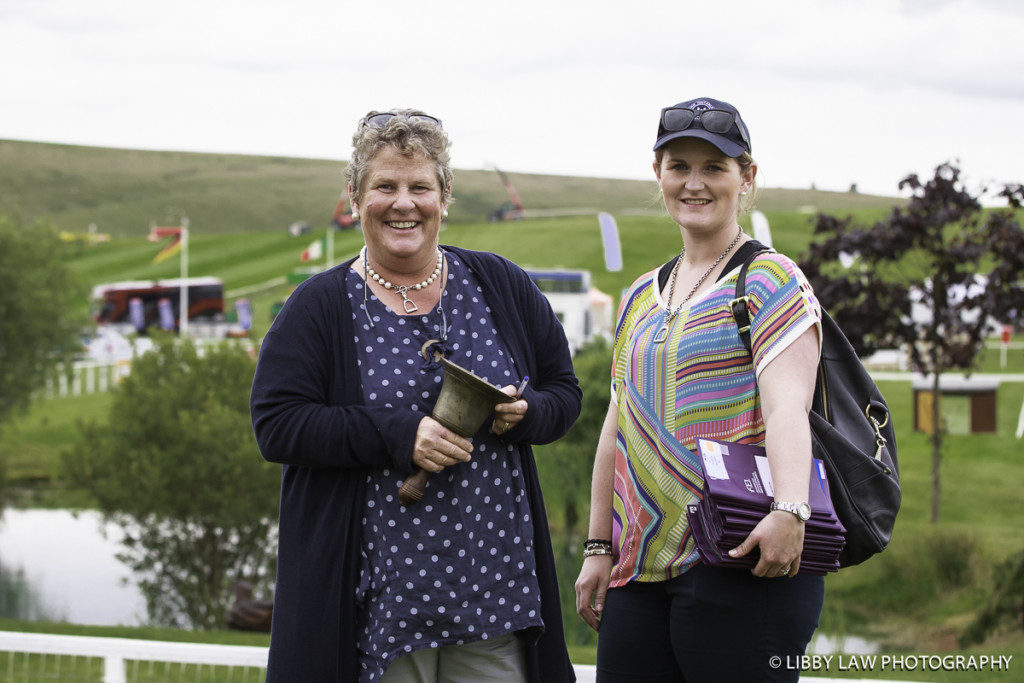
pixel 438 447
pixel 508 415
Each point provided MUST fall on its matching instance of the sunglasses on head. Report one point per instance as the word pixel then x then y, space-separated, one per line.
pixel 712 120
pixel 381 120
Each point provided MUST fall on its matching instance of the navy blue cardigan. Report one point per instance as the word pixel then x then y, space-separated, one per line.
pixel 308 414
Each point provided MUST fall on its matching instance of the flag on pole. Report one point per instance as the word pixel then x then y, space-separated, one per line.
pixel 172 248
pixel 313 252
pixel 610 239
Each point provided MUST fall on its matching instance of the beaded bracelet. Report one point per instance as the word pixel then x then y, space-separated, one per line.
pixel 597 550
pixel 597 541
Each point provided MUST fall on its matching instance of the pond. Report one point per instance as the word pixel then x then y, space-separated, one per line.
pixel 56 565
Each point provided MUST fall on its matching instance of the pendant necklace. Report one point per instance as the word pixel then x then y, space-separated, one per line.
pixel 403 290
pixel 662 334
pixel 443 325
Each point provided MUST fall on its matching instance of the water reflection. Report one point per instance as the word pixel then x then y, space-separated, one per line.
pixel 57 565
pixel 18 599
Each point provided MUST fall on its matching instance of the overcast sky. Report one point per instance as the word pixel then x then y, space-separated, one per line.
pixel 833 92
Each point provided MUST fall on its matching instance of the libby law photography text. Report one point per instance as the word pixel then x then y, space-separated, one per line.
pixel 893 662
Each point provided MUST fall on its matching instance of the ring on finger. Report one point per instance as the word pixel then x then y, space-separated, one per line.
pixel 506 427
pixel 783 571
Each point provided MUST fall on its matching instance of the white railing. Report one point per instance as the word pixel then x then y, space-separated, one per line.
pixel 86 377
pixel 117 652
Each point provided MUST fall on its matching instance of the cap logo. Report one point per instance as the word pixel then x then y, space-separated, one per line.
pixel 701 105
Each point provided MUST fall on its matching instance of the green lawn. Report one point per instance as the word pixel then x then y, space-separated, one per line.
pixel 32 441
pixel 990 359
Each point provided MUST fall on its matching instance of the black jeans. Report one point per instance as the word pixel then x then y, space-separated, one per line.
pixel 709 624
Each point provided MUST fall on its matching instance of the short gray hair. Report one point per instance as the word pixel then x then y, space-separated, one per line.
pixel 407 135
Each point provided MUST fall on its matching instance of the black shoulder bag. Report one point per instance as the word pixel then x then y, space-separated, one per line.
pixel 851 433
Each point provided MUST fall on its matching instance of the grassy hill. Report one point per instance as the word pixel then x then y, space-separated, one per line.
pixel 122 191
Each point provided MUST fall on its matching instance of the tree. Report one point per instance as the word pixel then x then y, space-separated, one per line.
pixel 962 263
pixel 177 467
pixel 38 323
pixel 566 466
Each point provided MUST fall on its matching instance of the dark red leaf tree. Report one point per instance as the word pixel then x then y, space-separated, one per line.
pixel 961 264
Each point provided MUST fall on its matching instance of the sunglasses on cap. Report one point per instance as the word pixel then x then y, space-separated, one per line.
pixel 719 121
pixel 381 120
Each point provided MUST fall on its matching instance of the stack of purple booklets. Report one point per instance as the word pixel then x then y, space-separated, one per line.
pixel 738 493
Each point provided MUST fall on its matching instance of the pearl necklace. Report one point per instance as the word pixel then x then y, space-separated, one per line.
pixel 409 305
pixel 662 334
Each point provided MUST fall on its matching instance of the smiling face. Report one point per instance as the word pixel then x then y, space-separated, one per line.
pixel 701 185
pixel 400 205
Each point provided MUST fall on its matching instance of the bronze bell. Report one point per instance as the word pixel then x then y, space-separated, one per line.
pixel 465 400
pixel 463 405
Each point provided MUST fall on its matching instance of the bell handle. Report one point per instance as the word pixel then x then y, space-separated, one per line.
pixel 412 488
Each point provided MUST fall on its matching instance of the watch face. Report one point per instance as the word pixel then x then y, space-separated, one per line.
pixel 804 511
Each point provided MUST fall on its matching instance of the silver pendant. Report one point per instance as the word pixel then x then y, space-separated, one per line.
pixel 662 333
pixel 409 304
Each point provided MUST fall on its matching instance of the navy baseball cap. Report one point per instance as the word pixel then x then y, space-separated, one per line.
pixel 713 120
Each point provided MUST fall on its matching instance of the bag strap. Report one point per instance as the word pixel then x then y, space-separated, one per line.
pixel 745 252
pixel 740 312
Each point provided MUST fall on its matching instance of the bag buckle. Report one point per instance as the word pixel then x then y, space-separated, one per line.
pixel 880 440
pixel 743 300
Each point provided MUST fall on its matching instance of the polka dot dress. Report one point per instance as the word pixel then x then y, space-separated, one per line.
pixel 458 566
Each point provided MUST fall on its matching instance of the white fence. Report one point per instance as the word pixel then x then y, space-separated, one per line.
pixel 121 658
pixel 87 377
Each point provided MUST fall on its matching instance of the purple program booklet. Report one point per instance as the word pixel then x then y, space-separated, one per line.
pixel 738 492
pixel 712 554
pixel 738 474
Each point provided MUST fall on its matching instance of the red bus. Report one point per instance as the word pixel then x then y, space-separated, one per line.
pixel 205 300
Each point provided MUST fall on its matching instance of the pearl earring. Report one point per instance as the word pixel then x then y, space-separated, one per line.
pixel 355 215
pixel 444 213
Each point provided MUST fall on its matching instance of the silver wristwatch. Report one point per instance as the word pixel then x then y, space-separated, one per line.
pixel 801 510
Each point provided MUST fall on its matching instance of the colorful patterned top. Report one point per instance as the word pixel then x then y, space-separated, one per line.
pixel 699 382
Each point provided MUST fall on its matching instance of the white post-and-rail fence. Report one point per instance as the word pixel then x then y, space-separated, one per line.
pixel 86 377
pixel 116 652
pixel 252 660
pixel 83 377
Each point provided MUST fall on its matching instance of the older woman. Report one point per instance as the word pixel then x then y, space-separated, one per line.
pixel 681 371
pixel 462 585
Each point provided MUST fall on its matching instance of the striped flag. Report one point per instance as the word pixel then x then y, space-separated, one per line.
pixel 313 252
pixel 173 247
